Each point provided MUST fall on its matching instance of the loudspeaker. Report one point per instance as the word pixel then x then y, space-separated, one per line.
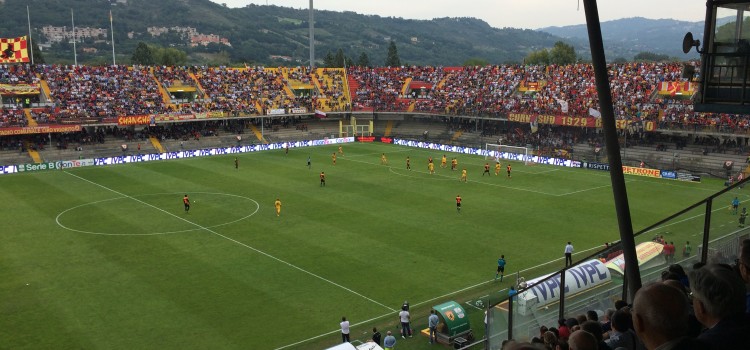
pixel 688 42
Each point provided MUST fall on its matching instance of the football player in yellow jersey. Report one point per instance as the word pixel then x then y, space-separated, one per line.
pixel 277 204
pixel 463 175
pixel 431 167
pixel 444 162
pixel 383 159
pixel 498 166
pixel 333 158
pixel 454 164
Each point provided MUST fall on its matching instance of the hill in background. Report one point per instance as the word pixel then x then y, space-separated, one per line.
pixel 629 36
pixel 274 35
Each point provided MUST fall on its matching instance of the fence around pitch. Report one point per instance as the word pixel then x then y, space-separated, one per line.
pixel 709 231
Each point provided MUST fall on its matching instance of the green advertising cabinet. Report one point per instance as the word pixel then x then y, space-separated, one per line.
pixel 455 320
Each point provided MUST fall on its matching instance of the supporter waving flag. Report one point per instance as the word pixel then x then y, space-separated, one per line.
pixel 320 114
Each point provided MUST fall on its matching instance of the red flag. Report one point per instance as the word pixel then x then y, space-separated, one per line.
pixel 14 50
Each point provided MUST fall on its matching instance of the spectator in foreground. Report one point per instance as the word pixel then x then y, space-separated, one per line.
pixel 660 319
pixel 562 329
pixel 621 335
pixel 582 340
pixel 743 264
pixel 719 303
pixel 694 327
pixel 595 328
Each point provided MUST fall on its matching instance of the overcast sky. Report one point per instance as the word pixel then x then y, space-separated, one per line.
pixel 529 14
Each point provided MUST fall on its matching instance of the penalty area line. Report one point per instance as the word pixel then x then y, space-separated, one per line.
pixel 236 242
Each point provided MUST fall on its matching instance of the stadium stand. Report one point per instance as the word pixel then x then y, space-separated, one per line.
pixel 449 97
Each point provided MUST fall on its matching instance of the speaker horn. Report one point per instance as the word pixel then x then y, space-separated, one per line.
pixel 688 42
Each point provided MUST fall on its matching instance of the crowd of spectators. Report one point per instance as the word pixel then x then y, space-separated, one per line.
pixel 12 117
pixel 333 90
pixel 705 309
pixel 493 90
pixel 17 73
pixel 239 89
pixel 102 91
pixel 174 76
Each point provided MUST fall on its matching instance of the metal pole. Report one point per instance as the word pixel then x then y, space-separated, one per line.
pixel 73 23
pixel 708 30
pixel 112 29
pixel 31 44
pixel 510 318
pixel 632 272
pixel 561 311
pixel 625 145
pixel 706 231
pixel 312 37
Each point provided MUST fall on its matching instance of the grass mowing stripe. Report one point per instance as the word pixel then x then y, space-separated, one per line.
pixel 235 241
pixel 432 300
pixel 473 181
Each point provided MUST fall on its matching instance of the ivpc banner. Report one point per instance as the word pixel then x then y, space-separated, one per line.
pixel 139 158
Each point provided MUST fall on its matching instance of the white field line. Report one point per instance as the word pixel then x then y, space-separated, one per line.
pixel 584 190
pixel 237 242
pixel 690 218
pixel 590 189
pixel 472 305
pixel 427 301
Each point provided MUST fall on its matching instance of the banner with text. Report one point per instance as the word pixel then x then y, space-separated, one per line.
pixel 19 89
pixel 41 129
pixel 631 170
pixel 584 122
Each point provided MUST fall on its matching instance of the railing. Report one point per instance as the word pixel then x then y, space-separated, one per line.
pixel 709 231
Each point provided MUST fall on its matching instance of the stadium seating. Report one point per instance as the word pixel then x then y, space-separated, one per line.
pixel 490 91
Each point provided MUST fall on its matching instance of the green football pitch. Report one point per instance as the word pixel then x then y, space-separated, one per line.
pixel 107 258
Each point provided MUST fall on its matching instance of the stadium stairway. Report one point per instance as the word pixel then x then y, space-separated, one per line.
pixel 456 135
pixel 164 94
pixel 155 142
pixel 29 118
pixel 288 90
pixel 442 82
pixel 33 153
pixel 197 84
pixel 411 106
pixel 257 133
pixel 405 88
pixel 388 128
pixel 353 86
pixel 44 86
pixel 348 93
pixel 316 82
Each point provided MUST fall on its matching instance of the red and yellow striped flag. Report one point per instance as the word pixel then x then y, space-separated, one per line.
pixel 14 50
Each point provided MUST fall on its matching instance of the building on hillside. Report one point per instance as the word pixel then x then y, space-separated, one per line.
pixel 58 34
pixel 205 39
pixel 281 58
pixel 186 32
